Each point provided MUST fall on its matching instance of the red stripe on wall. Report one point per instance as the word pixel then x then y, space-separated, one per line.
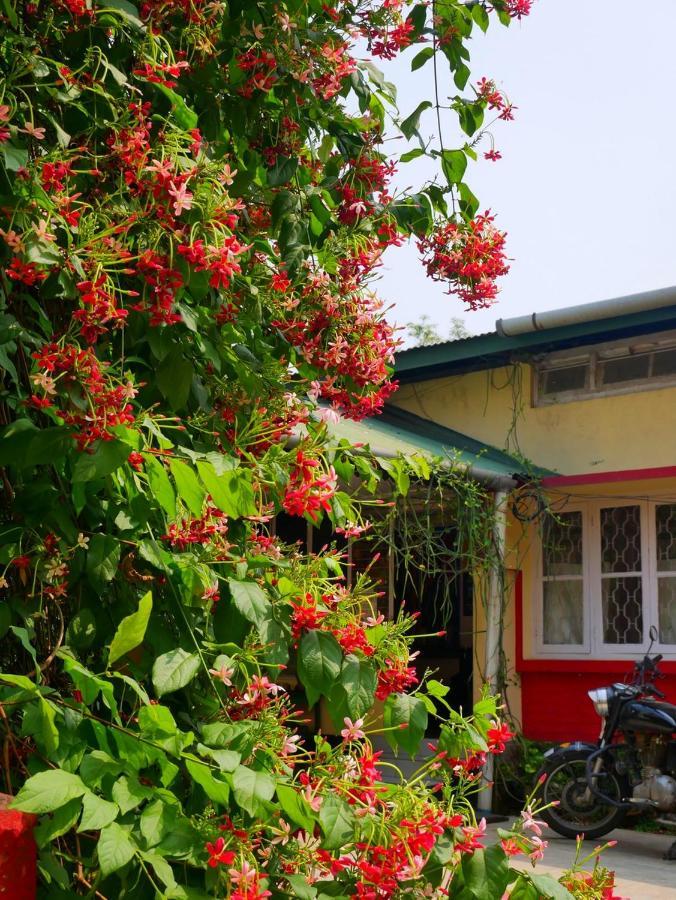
pixel 601 477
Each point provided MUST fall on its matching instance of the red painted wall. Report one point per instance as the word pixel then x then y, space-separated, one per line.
pixel 554 701
pixel 18 853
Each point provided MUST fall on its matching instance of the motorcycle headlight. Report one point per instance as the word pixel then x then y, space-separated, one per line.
pixel 601 698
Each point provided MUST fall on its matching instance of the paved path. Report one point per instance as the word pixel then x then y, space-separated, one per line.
pixel 641 873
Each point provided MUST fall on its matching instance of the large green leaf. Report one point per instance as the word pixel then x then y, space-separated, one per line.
pixel 131 630
pixel 97 813
pixel 214 785
pixel 115 848
pixel 406 716
pixel 173 670
pixel 103 559
pixel 160 485
pixel 295 807
pixel 485 873
pixel 231 491
pixel 252 789
pixel 319 662
pixel 251 601
pixel 337 822
pixel 409 126
pixel 174 377
pixel 48 790
pixel 188 488
pixel 108 456
pixel 354 694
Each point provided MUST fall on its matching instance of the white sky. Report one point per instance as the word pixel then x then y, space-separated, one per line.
pixel 586 187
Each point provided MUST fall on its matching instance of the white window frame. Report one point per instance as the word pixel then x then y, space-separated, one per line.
pixel 593 646
pixel 593 359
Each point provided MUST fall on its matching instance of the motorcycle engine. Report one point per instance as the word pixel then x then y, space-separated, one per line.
pixel 654 786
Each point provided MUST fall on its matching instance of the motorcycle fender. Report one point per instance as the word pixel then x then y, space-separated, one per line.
pixel 563 750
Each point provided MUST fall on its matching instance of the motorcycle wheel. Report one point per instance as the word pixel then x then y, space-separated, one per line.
pixel 565 782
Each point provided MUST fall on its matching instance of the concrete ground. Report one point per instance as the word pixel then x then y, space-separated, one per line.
pixel 641 873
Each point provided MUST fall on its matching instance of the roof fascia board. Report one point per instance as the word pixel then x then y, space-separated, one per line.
pixel 492 351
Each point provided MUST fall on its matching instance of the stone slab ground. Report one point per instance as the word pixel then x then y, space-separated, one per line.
pixel 641 872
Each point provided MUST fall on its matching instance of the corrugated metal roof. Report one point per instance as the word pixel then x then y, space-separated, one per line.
pixel 398 431
pixel 492 350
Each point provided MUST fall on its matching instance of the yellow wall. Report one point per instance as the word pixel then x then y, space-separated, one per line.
pixel 604 434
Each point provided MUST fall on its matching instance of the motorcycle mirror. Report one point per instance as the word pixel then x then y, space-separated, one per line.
pixel 653 635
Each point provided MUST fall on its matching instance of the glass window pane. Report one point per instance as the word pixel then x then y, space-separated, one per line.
pixel 627 368
pixel 562 544
pixel 622 602
pixel 664 362
pixel 665 521
pixel 666 600
pixel 563 621
pixel 567 378
pixel 621 539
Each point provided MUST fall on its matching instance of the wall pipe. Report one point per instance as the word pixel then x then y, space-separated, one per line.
pixel 587 312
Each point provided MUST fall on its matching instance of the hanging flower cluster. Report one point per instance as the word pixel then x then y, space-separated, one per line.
pixel 469 257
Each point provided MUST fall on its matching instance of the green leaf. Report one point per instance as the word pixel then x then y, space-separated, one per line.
pixel 103 559
pixel 421 58
pixel 319 662
pixel 230 491
pixel 485 873
pixel 61 821
pixel 48 790
pixel 184 116
pixel 108 456
pixel 115 848
pixel 358 680
pixel 157 819
pixel 174 378
pixel 215 787
pixel 23 445
pixel 480 16
pixel 283 170
pixel 409 126
pixel 160 485
pixel 337 822
pixel 405 710
pixel 97 813
pixel 301 888
pixel 81 630
pixel 252 789
pixel 436 688
pixel 549 887
pixel 295 807
pixel 131 630
pixel 453 164
pixel 127 10
pixel 411 154
pixel 173 670
pixel 15 157
pixel 128 793
pixel 10 12
pixel 188 488
pixel 251 601
pixel 49 733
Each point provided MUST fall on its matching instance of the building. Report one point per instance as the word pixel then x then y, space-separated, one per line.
pixel 585 399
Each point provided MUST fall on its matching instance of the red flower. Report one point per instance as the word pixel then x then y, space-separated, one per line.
pixel 498 736
pixel 493 155
pixel 135 460
pixel 218 855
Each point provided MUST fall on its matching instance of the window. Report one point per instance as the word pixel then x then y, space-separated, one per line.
pixel 607 573
pixel 606 369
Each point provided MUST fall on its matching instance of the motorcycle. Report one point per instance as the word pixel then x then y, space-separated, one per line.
pixel 631 768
